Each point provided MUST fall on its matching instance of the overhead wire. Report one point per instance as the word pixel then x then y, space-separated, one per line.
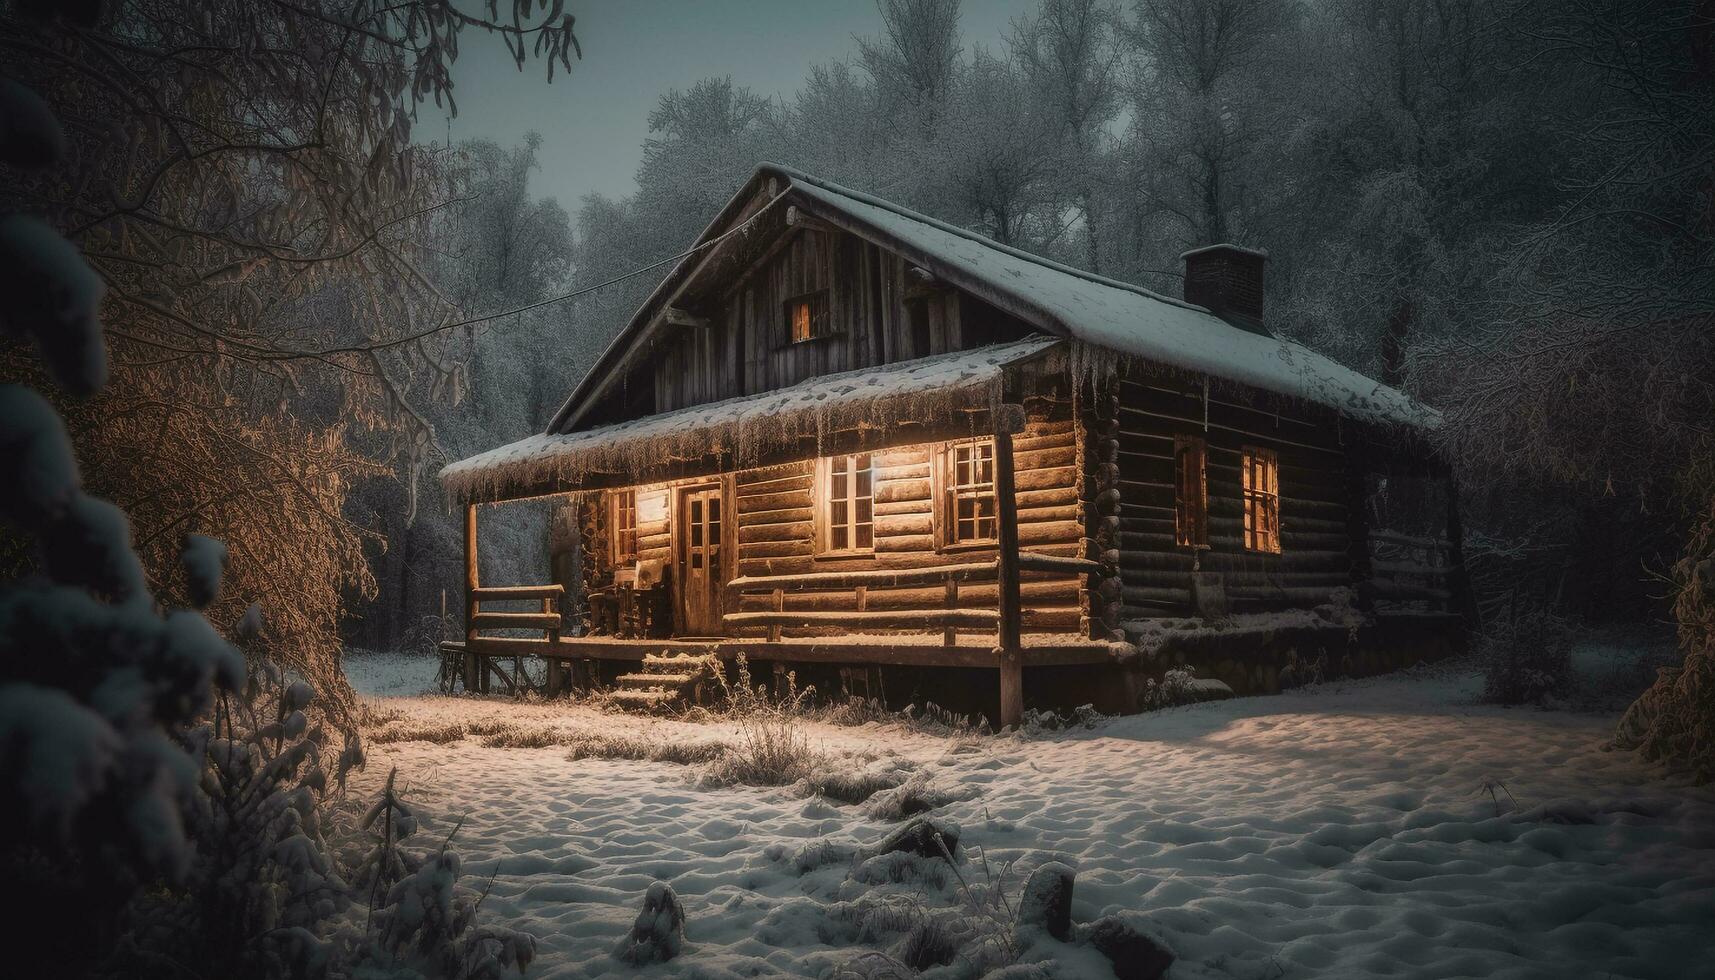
pixel 440 328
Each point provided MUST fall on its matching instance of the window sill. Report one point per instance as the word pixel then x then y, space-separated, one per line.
pixel 844 556
pixel 811 341
pixel 980 545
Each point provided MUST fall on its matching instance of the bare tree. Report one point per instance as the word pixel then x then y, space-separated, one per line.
pixel 243 179
pixel 1197 86
pixel 1071 54
pixel 915 59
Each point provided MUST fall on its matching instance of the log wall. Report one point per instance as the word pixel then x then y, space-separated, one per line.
pixel 774 531
pixel 1315 497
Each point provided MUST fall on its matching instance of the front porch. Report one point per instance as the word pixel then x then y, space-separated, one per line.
pixel 492 664
pixel 729 563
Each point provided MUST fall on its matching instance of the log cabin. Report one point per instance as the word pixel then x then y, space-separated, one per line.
pixel 853 441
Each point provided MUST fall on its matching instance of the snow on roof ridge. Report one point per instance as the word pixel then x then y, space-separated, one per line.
pixel 1126 319
pixel 1261 253
pixel 952 229
pixel 1165 330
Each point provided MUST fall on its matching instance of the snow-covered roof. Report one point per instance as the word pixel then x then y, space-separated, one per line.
pixel 1121 317
pixel 1261 253
pixel 741 430
pixel 1099 315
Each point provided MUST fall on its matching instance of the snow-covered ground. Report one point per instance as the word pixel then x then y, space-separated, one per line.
pixel 1388 827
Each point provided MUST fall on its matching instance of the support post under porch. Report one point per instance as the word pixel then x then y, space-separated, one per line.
pixel 475 678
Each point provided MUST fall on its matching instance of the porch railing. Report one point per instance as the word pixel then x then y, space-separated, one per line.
pixel 949 616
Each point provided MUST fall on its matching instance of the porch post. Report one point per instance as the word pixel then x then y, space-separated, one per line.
pixel 1009 419
pixel 473 675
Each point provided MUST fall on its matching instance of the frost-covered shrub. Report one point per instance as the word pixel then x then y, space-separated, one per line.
pixel 421 921
pixel 1043 722
pixel 1527 658
pixel 1303 672
pixel 428 926
pixel 1674 721
pixel 162 803
pixel 1172 690
pixel 390 821
pixel 772 749
pixel 263 885
pixel 98 688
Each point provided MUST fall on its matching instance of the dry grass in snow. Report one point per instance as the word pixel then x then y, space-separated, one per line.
pixel 1394 826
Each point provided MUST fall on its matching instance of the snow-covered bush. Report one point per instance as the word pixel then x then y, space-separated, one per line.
pixel 262 884
pixel 98 687
pixel 1526 658
pixel 162 803
pixel 1172 690
pixel 426 924
pixel 1039 722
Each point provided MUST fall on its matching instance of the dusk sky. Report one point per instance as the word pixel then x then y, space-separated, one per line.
pixel 594 121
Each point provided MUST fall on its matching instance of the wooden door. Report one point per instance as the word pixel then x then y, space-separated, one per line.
pixel 700 574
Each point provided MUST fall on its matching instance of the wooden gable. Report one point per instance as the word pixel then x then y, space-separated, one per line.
pixel 873 307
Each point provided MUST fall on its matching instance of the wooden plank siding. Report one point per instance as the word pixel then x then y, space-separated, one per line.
pixel 879 312
pixel 1316 526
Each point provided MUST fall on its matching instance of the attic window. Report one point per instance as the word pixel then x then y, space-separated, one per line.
pixel 1190 493
pixel 1262 500
pixel 807 316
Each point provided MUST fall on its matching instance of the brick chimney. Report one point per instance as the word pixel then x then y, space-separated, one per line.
pixel 1227 281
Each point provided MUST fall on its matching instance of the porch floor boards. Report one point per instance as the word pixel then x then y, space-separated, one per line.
pixel 1040 649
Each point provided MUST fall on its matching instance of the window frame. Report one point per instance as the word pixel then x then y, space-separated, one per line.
pixel 824 519
pixel 818 318
pixel 1260 500
pixel 1190 492
pixel 620 504
pixel 949 493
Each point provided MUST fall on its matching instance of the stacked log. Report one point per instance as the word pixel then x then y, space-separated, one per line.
pixel 1099 490
pixel 776 533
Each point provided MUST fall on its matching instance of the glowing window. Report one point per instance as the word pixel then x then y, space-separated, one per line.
pixel 1262 500
pixel 971 513
pixel 1190 493
pixel 807 316
pixel 847 507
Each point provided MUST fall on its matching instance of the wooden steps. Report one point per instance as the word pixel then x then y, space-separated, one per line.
pixel 667 682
